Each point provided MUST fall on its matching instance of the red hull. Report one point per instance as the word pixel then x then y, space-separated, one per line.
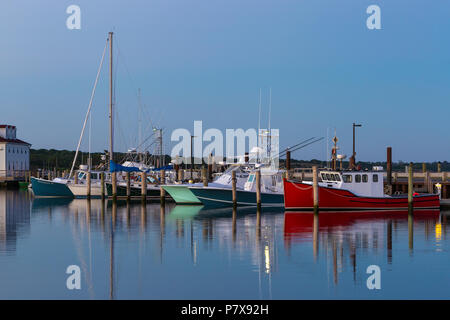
pixel 299 196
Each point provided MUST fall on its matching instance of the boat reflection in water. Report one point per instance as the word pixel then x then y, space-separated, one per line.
pixel 355 231
pixel 131 250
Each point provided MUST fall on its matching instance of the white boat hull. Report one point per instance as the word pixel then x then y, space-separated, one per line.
pixel 80 190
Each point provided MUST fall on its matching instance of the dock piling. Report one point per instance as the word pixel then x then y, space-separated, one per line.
pixel 233 186
pixel 88 185
pixel 102 182
pixel 163 181
pixel 258 189
pixel 144 186
pixel 114 185
pixel 315 189
pixel 410 186
pixel 128 177
pixel 204 176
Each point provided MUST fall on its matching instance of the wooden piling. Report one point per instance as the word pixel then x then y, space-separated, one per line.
pixel 128 178
pixel 258 189
pixel 88 185
pixel 75 177
pixel 439 167
pixel 204 176
pixel 410 186
pixel 114 185
pixel 315 189
pixel 389 165
pixel 233 187
pixel 144 185
pixel 102 182
pixel 288 163
pixel 426 181
pixel 163 181
pixel 424 167
pixel 38 174
pixel 180 175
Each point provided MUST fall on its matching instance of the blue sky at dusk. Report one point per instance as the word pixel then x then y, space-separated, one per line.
pixel 206 60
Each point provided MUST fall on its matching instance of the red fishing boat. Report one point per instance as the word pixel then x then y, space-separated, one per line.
pixel 351 190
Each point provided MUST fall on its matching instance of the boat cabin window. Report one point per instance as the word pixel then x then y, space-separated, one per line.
pixel 251 178
pixel 81 175
pixel 347 178
pixel 375 178
pixel 357 178
pixel 94 176
pixel 337 177
pixel 324 177
pixel 365 178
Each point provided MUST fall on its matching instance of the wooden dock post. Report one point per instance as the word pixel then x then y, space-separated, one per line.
pixel 426 181
pixel 204 176
pixel 102 182
pixel 444 176
pixel 180 175
pixel 233 186
pixel 144 185
pixel 288 163
pixel 410 186
pixel 315 189
pixel 210 167
pixel 75 177
pixel 389 165
pixel 258 189
pixel 163 181
pixel 114 185
pixel 88 185
pixel 439 167
pixel 38 174
pixel 128 177
pixel 424 167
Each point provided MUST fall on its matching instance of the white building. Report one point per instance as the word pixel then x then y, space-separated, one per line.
pixel 14 153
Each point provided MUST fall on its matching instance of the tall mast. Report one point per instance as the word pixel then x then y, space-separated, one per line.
pixel 140 126
pixel 259 128
pixel 111 131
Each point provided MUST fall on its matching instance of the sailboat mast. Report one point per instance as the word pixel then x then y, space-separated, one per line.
pixel 111 131
pixel 139 150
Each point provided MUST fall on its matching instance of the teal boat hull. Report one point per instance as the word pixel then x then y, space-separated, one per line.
pixel 49 189
pixel 182 195
pixel 223 197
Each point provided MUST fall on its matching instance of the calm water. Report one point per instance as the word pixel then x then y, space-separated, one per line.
pixel 182 252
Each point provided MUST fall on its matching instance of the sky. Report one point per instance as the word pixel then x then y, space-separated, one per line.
pixel 207 60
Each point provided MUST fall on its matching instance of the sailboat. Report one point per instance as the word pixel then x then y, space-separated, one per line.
pixel 64 187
